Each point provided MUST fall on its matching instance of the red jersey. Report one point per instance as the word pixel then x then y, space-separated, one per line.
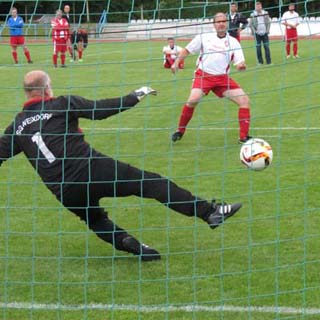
pixel 60 29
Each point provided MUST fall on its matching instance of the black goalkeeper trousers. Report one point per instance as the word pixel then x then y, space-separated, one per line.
pixel 110 178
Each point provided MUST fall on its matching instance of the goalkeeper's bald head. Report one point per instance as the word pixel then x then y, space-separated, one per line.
pixel 37 83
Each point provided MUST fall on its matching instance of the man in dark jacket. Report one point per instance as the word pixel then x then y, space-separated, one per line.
pixel 237 21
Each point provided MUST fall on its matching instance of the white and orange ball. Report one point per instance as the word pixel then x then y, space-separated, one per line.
pixel 256 154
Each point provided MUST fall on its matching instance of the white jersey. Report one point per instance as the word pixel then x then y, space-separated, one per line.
pixel 216 53
pixel 291 18
pixel 172 51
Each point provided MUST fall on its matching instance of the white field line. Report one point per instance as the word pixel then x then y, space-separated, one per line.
pixel 152 309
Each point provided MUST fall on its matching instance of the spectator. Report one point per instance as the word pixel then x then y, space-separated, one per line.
pixel 237 21
pixel 260 26
pixel 66 15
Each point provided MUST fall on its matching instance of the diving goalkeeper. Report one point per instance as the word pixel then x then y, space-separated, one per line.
pixel 47 132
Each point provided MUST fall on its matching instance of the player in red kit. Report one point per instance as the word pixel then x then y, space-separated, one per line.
pixel 60 36
pixel 217 50
pixel 291 21
pixel 170 53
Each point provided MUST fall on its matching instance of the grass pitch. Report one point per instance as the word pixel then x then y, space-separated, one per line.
pixel 262 264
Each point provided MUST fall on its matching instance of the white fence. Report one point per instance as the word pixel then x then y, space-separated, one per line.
pixel 161 29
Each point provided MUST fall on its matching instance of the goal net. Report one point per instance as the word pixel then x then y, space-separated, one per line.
pixel 261 264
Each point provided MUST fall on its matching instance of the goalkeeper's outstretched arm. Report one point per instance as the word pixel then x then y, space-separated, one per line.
pixel 37 84
pixel 104 108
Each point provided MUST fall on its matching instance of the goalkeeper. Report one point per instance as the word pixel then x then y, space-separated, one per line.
pixel 47 132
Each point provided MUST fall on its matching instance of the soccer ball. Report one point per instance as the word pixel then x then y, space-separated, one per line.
pixel 256 154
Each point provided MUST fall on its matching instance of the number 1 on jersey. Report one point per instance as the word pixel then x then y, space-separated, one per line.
pixel 43 148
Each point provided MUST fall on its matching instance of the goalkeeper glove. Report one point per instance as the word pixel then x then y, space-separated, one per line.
pixel 143 92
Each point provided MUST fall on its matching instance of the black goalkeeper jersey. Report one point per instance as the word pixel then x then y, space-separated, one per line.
pixel 47 132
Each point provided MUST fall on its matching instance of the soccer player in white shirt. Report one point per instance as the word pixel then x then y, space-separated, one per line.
pixel 170 53
pixel 291 20
pixel 217 50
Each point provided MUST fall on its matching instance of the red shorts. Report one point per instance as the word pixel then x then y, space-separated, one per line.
pixel 59 46
pixel 291 34
pixel 169 62
pixel 216 83
pixel 16 41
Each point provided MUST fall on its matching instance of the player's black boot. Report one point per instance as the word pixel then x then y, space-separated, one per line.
pixel 244 140
pixel 132 245
pixel 177 136
pixel 221 212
